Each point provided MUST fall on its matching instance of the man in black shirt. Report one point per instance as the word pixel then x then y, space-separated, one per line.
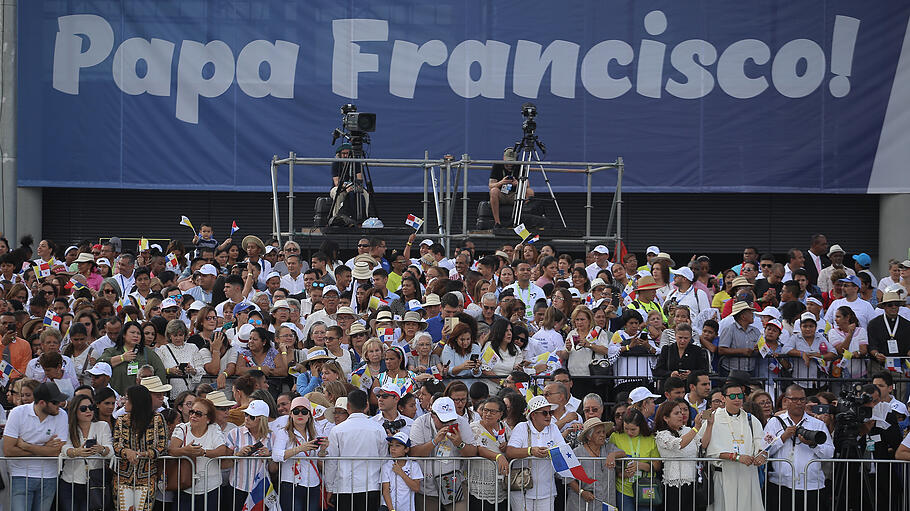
pixel 504 184
pixel 889 334
pixel 353 183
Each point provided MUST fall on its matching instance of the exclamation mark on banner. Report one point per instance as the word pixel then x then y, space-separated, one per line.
pixel 843 43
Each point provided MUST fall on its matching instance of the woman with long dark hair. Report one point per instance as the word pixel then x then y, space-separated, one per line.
pixel 508 355
pixel 128 355
pixel 409 290
pixel 87 437
pixel 140 437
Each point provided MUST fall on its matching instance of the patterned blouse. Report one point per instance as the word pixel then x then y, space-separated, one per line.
pixel 247 356
pixel 155 439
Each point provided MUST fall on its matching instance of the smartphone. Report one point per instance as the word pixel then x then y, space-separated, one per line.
pixel 475 357
pixel 820 409
pixel 451 323
pixel 322 440
pixel 257 446
pixel 454 428
pixel 643 335
pixel 11 327
pixel 91 442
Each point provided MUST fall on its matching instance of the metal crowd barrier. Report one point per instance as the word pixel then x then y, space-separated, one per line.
pixel 850 484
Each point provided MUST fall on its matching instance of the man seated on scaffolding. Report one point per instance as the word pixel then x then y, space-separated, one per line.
pixel 356 186
pixel 504 184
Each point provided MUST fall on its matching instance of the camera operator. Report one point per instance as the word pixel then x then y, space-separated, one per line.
pixel 389 416
pixel 345 150
pixel 881 438
pixel 504 184
pixel 796 436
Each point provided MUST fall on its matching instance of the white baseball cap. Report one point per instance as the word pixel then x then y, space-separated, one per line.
pixel 808 316
pixel 257 408
pixel 770 312
pixel 101 368
pixel 400 436
pixel 684 272
pixel 243 333
pixel 269 249
pixel 444 408
pixel 272 275
pixel 427 242
pixel 207 269
pixel 197 305
pixel 575 292
pixel 167 303
pixel 639 394
pixel 601 249
pixel 330 289
pixel 652 250
pixel 389 387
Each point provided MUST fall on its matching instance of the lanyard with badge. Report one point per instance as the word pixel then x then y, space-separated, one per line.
pixel 132 368
pixel 739 441
pixel 892 332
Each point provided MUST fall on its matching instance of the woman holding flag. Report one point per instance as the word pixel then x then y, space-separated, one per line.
pixel 500 355
pixel 593 443
pixel 533 440
pixel 587 344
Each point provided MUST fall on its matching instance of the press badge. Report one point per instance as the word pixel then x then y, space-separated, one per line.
pixel 892 346
pixel 132 369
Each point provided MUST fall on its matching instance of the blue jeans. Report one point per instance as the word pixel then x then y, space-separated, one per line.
pixel 299 498
pixel 32 493
pixel 627 503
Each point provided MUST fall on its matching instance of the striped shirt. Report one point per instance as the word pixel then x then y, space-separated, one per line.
pixel 244 472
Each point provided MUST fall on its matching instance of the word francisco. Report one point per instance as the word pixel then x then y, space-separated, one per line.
pixel 742 70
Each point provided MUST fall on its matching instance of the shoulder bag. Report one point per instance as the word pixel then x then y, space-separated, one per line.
pixel 178 473
pixel 521 480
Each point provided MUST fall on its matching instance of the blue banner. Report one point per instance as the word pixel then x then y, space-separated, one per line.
pixel 704 96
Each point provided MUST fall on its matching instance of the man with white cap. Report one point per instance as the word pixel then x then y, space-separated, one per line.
pixel 204 278
pixel 686 294
pixel 356 483
pixel 863 309
pixel 601 261
pixel 642 399
pixel 101 374
pixel 441 433
pixel 389 395
pixel 533 439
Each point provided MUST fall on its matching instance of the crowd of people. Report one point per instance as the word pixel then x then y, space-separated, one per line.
pixel 261 365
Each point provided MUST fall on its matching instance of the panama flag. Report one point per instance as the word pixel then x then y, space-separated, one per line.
pixel 262 496
pixel 234 227
pixel 414 221
pixel 186 221
pixel 43 270
pixel 6 369
pixel 435 372
pixel 387 335
pixel 172 261
pixel 52 320
pixel 567 465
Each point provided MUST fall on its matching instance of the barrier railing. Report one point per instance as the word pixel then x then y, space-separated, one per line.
pixel 474 482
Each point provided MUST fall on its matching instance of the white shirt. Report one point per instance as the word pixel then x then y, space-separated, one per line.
pixel 294 286
pixel 407 421
pixel 695 299
pixel 23 423
pixel 863 309
pixel 306 473
pixel 75 470
pixel 798 453
pixel 358 436
pixel 172 355
pixel 528 296
pixel 125 283
pixel 208 470
pixel 102 343
pixel 542 472
pixel 544 341
pixel 592 269
pixel 402 497
pixel 424 430
pixel 573 406
pixel 34 371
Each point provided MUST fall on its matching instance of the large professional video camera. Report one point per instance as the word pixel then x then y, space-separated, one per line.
pixel 850 414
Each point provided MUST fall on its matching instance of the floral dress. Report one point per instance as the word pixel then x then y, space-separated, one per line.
pixel 134 484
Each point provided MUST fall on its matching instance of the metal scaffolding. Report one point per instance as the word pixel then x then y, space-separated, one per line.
pixel 445 190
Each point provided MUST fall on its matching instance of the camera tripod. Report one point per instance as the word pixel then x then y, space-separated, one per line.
pixel 527 148
pixel 354 183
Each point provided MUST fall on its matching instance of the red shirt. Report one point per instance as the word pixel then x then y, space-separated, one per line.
pixel 728 308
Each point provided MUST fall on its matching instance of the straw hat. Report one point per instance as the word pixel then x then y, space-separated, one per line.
pixel 741 281
pixel 589 425
pixel 357 328
pixel 740 307
pixel 382 316
pixel 891 297
pixel 537 403
pixel 153 384
pixel 361 271
pixel 219 399
pixel 365 258
pixel 252 239
pixel 646 283
pixel 413 317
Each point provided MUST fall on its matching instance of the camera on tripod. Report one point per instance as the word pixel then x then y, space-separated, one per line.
pixel 355 121
pixel 529 111
pixel 851 406
pixel 392 427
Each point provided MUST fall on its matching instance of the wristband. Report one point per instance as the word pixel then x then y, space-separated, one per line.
pixel 497 456
pixel 695 430
pixel 409 243
pixel 259 368
pixel 225 374
pixel 529 452
pixel 284 352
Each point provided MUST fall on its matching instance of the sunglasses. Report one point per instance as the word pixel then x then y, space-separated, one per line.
pixel 86 408
pixel 741 395
pixel 362 246
pixel 545 413
pixel 767 265
pixel 319 284
pixel 197 413
pixel 301 411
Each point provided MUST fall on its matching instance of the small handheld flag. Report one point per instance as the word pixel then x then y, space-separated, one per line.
pixel 186 221
pixel 172 261
pixel 489 357
pixel 522 231
pixel 74 284
pixel 6 369
pixel 434 370
pixel 52 320
pixel 387 335
pixel 414 222
pixel 234 227
pixel 143 245
pixel 263 496
pixel 42 270
pixel 566 464
pixel 534 239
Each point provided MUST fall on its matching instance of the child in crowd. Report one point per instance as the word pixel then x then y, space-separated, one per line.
pixel 400 477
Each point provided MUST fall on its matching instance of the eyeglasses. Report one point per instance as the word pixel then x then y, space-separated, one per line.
pixel 796 399
pixel 176 298
pixel 211 318
pixel 109 292
pixel 490 410
pixel 460 400
pixel 331 338
pixel 741 395
pixel 591 409
pixel 86 408
pixel 489 308
pixel 197 413
pixel 384 394
pixel 300 411
pixel 766 265
pixel 291 249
